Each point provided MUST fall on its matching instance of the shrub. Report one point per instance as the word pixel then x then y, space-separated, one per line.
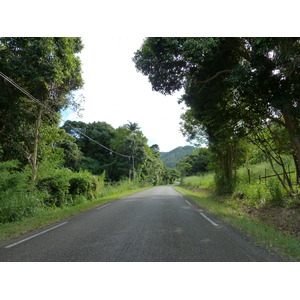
pixel 84 184
pixel 12 176
pixel 274 188
pixel 15 206
pixel 65 187
pixel 57 185
pixel 17 197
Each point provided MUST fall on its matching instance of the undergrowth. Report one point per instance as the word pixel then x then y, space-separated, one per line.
pixel 249 188
pixel 54 188
pixel 264 233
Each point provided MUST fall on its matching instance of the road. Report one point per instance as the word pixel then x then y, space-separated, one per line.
pixel 156 225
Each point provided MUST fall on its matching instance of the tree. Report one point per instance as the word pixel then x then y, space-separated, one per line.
pixel 152 169
pixel 96 159
pixel 195 162
pixel 196 64
pixel 130 141
pixel 47 68
pixel 272 77
pixel 132 126
pixel 231 85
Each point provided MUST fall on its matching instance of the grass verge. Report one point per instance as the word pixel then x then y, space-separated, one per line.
pixel 265 235
pixel 50 216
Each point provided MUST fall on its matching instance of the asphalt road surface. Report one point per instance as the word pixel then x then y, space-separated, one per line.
pixel 156 225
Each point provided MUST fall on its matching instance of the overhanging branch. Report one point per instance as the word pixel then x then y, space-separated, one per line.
pixel 213 77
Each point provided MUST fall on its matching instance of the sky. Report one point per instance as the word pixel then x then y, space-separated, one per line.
pixel 116 93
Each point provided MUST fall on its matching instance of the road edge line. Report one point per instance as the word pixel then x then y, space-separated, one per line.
pixel 35 235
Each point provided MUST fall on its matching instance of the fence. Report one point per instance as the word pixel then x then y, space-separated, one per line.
pixel 275 175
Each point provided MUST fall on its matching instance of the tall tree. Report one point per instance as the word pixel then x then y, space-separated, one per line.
pixel 129 140
pixel 96 159
pixel 49 69
pixel 231 84
pixel 196 64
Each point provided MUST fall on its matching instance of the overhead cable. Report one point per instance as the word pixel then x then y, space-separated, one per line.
pixel 51 111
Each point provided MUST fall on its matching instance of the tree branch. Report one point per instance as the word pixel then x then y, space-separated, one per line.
pixel 213 77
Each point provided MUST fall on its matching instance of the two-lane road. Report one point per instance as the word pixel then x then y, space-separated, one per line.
pixel 153 225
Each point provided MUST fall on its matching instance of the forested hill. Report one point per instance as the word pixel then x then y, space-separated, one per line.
pixel 170 159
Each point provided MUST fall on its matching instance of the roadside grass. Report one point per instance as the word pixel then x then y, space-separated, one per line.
pixel 205 181
pixel 52 215
pixel 262 234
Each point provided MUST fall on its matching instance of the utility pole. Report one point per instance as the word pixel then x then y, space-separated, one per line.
pixel 133 167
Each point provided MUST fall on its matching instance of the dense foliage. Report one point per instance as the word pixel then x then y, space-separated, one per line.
pixel 171 158
pixel 195 162
pixel 236 89
pixel 44 166
pixel 137 160
pixel 49 69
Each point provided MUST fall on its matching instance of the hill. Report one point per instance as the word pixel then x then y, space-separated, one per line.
pixel 170 159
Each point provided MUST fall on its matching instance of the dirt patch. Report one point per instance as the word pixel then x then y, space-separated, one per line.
pixel 286 220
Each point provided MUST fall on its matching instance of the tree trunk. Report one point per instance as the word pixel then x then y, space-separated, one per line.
pixel 293 130
pixel 36 144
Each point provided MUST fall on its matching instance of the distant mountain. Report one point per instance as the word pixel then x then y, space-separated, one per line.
pixel 170 159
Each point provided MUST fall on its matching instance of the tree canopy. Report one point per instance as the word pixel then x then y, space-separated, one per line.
pixel 48 69
pixel 231 85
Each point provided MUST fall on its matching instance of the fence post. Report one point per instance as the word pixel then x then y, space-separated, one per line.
pixel 265 176
pixel 249 176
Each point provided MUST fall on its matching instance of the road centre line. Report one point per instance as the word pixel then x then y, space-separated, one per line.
pixel 35 235
pixel 209 220
pixel 104 206
pixel 188 202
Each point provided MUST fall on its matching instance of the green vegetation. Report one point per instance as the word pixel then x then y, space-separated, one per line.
pixel 262 233
pixel 45 169
pixel 205 181
pixel 251 187
pixel 171 158
pixel 56 187
pixel 48 215
pixel 242 96
pixel 240 92
pixel 261 208
pixel 195 163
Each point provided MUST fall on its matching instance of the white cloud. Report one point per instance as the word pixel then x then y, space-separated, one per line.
pixel 116 93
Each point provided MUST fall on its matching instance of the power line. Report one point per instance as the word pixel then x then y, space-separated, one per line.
pixel 49 110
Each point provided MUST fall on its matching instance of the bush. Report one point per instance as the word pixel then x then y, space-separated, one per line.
pixel 274 187
pixel 57 185
pixel 65 187
pixel 12 176
pixel 15 206
pixel 84 184
pixel 17 198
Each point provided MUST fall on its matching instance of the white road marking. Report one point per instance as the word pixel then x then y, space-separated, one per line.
pixel 35 235
pixel 188 202
pixel 104 206
pixel 209 220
